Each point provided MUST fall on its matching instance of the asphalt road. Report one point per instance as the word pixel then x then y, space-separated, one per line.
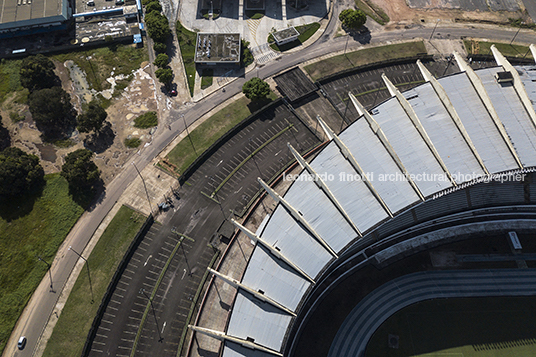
pixel 34 318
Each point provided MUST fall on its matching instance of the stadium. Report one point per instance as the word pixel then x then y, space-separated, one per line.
pixel 449 159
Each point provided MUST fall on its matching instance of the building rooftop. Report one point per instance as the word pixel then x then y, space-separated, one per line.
pixel 288 33
pixel 217 48
pixel 20 13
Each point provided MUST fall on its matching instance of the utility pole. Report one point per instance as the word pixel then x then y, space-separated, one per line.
pixel 88 274
pixel 144 186
pixel 49 272
pixel 188 134
pixel 160 338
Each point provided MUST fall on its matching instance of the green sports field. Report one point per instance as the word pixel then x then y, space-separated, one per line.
pixel 459 327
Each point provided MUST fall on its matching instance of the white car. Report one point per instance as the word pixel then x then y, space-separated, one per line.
pixel 21 343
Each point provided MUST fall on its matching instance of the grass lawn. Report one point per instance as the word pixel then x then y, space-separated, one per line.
pixel 99 63
pixel 146 120
pixel 182 155
pixel 340 63
pixel 254 14
pixel 372 11
pixel 206 78
pixel 30 228
pixel 306 31
pixel 70 333
pixel 502 326
pixel 187 41
pixel 484 48
pixel 9 77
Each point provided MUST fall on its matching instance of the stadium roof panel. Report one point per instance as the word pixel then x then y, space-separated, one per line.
pixel 275 278
pixel 319 211
pixel 291 239
pixel 443 132
pixel 408 144
pixel 374 158
pixel 258 321
pixel 478 123
pixel 351 192
pixel 512 114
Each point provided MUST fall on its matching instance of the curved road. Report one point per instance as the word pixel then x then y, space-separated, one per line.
pixel 41 306
pixel 357 329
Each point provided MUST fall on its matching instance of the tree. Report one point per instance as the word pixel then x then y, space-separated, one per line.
pixel 246 58
pixel 37 72
pixel 20 172
pixel 52 111
pixel 161 60
pixel 92 119
pixel 159 47
pixel 5 139
pixel 256 89
pixel 164 75
pixel 153 6
pixel 80 170
pixel 157 26
pixel 353 19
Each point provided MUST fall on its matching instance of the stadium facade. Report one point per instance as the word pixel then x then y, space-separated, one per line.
pixel 423 150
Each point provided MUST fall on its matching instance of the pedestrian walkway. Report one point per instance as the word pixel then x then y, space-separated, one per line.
pixel 263 53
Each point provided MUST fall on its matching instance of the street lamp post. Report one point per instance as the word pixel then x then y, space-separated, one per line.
pixel 88 274
pixel 188 134
pixel 431 35
pixel 144 186
pixel 49 272
pixel 160 338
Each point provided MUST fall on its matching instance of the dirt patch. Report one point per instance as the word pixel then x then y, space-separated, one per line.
pixel 401 14
pixel 111 153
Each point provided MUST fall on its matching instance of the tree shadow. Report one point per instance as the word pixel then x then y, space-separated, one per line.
pixel 88 197
pixel 14 208
pixel 255 105
pixel 100 141
pixel 362 35
pixel 5 139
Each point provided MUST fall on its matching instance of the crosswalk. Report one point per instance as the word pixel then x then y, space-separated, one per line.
pixel 263 53
pixel 253 25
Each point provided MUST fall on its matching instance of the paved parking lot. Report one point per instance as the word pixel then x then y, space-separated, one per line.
pixel 121 321
pixel 243 185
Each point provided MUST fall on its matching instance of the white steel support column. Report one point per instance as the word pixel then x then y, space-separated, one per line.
pixel 258 295
pixel 297 216
pixel 486 100
pixel 375 127
pixel 272 250
pixel 222 336
pixel 445 100
pixel 323 186
pixel 348 156
pixel 417 124
pixel 518 85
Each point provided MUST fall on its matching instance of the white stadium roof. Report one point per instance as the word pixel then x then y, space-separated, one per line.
pixel 444 133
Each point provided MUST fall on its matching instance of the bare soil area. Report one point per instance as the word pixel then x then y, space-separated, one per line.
pixel 401 14
pixel 110 151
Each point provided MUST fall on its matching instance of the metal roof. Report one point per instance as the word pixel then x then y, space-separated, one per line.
pixel 19 13
pixel 367 203
pixel 512 114
pixel 258 321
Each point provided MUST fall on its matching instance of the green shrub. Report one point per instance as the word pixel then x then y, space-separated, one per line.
pixel 132 143
pixel 146 120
